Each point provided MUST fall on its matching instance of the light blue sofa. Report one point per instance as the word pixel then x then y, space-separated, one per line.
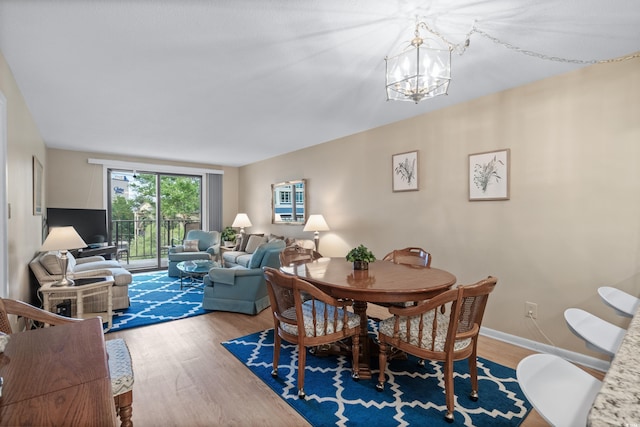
pixel 240 289
pixel 208 248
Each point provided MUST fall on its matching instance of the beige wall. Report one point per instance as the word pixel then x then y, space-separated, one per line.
pixel 571 225
pixel 23 142
pixel 72 182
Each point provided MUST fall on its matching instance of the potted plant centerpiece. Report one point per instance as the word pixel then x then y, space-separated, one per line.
pixel 360 257
pixel 228 236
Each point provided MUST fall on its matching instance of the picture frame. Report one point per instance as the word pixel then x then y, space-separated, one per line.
pixel 489 175
pixel 37 186
pixel 404 171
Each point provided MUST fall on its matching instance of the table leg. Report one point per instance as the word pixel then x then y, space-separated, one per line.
pixel 110 307
pixel 79 304
pixel 360 308
pixel 45 304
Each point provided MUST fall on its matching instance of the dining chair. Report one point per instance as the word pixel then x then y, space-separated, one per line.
pixel 623 303
pixel 297 255
pixel 597 333
pixel 561 392
pixel 409 256
pixel 427 332
pixel 314 320
pixel 120 367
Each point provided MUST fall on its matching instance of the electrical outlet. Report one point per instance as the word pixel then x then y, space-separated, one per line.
pixel 531 310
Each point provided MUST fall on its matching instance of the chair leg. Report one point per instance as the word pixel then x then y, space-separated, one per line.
pixel 448 390
pixel 382 361
pixel 473 372
pixel 276 353
pixel 124 408
pixel 302 358
pixel 355 351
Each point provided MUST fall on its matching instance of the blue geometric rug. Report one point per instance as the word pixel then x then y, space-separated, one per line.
pixel 156 298
pixel 413 395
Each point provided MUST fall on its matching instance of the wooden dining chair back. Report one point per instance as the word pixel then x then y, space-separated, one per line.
pixel 297 255
pixel 409 256
pixel 428 332
pixel 307 317
pixel 28 313
pixel 122 393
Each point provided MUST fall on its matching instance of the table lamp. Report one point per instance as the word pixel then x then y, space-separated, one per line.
pixel 62 239
pixel 316 223
pixel 242 221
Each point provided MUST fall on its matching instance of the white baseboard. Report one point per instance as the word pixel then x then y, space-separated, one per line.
pixel 581 359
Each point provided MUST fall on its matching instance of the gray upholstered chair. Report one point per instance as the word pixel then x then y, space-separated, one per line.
pixel 240 289
pixel 207 247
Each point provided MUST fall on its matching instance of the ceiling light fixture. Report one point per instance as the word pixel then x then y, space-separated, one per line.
pixel 421 71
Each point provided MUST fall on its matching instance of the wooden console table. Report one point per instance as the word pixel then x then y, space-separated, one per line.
pixel 77 293
pixel 57 376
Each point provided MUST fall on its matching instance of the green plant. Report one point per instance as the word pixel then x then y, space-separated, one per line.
pixel 360 253
pixel 228 234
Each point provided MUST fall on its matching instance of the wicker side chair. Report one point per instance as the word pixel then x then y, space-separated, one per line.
pixel 409 256
pixel 427 332
pixel 306 316
pixel 297 255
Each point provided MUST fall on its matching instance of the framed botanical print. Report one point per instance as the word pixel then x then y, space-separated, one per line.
pixel 404 169
pixel 489 175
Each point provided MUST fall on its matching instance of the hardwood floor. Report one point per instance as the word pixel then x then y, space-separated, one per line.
pixel 184 377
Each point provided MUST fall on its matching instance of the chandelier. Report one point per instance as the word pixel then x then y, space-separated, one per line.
pixel 421 71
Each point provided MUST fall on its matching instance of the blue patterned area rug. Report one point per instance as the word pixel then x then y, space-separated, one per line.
pixel 413 395
pixel 155 298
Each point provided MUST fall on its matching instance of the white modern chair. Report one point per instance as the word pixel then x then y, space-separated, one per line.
pixel 598 334
pixel 623 303
pixel 561 392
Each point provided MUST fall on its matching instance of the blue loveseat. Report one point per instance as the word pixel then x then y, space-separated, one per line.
pixel 242 289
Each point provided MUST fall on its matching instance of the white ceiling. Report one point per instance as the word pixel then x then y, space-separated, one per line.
pixel 234 82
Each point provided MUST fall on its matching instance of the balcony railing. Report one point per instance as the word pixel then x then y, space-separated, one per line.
pixel 140 238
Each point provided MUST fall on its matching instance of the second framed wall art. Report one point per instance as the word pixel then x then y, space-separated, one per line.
pixel 489 175
pixel 404 169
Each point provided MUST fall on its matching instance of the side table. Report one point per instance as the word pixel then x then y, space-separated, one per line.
pixel 77 293
pixel 224 249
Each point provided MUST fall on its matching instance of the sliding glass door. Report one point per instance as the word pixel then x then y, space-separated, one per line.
pixel 150 212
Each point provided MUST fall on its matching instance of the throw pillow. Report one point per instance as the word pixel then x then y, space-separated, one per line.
pixel 275 237
pixel 258 255
pixel 253 243
pixel 191 246
pixel 245 241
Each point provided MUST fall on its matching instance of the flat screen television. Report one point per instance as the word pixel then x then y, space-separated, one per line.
pixel 91 224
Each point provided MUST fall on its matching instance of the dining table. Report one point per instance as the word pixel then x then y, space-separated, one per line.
pixel 57 376
pixel 384 282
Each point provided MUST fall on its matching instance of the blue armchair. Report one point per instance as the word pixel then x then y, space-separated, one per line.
pixel 240 289
pixel 208 248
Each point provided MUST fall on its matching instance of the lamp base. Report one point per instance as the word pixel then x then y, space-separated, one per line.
pixel 63 282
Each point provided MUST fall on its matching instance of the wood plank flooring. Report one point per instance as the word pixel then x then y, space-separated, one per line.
pixel 184 377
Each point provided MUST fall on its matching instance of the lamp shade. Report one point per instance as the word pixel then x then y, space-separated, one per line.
pixel 316 222
pixel 242 220
pixel 62 238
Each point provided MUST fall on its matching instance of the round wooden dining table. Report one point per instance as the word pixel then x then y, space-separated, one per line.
pixel 384 282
